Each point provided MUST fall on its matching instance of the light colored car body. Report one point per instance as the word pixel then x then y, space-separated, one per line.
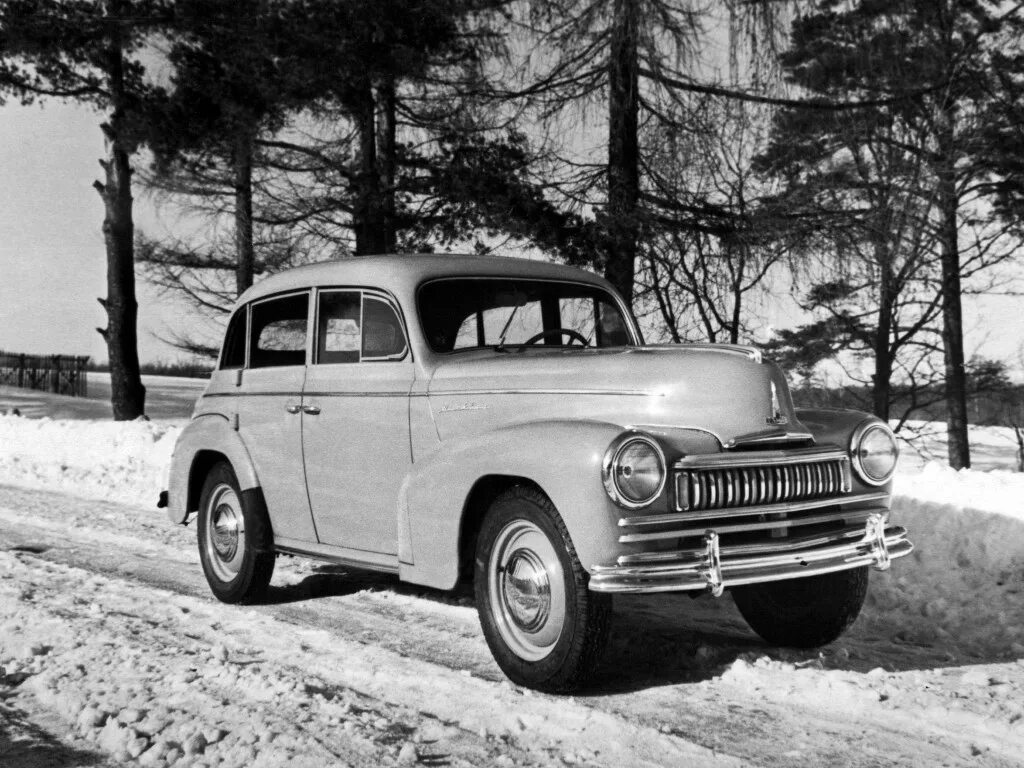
pixel 391 464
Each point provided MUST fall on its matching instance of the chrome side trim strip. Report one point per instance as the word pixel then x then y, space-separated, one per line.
pixel 627 392
pixel 761 509
pixel 253 394
pixel 313 393
pixel 443 393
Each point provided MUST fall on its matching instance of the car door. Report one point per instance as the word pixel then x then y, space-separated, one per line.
pixel 355 431
pixel 269 409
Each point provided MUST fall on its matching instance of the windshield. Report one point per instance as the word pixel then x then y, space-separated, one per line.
pixel 470 313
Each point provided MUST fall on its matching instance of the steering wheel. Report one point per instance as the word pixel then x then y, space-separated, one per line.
pixel 573 335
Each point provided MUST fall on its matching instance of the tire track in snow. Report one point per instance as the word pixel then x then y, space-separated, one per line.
pixel 661 677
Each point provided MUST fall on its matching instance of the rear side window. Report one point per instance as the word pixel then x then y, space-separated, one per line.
pixel 383 337
pixel 353 326
pixel 278 332
pixel 233 355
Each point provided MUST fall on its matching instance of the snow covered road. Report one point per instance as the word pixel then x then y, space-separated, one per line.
pixel 108 632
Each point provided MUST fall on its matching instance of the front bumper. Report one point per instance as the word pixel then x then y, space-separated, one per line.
pixel 715 568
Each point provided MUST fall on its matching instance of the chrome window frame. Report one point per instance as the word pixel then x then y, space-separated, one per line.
pixel 248 327
pixel 363 291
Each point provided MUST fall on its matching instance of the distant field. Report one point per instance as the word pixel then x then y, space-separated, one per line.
pixel 167 397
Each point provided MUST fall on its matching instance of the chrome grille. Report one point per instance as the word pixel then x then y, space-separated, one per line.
pixel 724 486
pixel 756 498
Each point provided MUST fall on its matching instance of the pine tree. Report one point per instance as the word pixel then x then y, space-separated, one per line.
pixel 88 51
pixel 923 72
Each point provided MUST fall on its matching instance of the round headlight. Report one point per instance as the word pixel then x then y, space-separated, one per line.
pixel 634 470
pixel 874 453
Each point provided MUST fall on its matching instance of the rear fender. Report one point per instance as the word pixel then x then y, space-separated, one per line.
pixel 205 437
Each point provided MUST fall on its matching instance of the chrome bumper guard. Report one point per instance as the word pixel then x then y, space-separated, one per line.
pixel 716 568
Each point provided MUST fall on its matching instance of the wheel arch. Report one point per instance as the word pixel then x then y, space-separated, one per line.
pixel 481 496
pixel 205 441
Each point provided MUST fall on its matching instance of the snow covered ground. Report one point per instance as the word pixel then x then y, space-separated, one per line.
pixel 112 651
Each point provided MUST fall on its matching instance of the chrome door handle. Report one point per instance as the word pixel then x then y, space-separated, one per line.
pixel 293 408
pixel 312 410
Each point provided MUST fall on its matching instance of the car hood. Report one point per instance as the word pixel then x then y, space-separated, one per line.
pixel 723 390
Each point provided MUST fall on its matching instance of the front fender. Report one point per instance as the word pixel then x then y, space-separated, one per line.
pixel 208 433
pixel 562 457
pixel 834 426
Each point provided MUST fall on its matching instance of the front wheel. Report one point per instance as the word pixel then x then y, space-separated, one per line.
pixel 545 628
pixel 235 539
pixel 806 612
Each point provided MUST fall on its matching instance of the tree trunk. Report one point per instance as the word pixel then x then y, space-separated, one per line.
pixel 952 314
pixel 127 394
pixel 366 215
pixel 881 379
pixel 623 150
pixel 387 162
pixel 244 250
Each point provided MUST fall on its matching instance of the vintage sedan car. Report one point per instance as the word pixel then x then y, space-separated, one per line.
pixel 502 421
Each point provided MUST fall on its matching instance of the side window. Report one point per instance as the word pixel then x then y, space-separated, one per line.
pixel 353 327
pixel 338 332
pixel 233 355
pixel 383 337
pixel 278 332
pixel 612 331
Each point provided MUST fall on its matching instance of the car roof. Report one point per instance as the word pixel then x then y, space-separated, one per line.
pixel 401 273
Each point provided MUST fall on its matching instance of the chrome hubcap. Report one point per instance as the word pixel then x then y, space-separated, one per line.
pixel 527 590
pixel 225 533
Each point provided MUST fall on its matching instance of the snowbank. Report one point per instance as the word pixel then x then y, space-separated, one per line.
pixel 115 461
pixel 961 585
pixel 997 491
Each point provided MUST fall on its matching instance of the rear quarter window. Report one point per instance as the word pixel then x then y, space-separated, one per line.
pixel 233 354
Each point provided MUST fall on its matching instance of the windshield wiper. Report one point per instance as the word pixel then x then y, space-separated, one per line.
pixel 500 347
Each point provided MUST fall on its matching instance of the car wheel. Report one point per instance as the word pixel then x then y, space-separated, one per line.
pixel 545 628
pixel 806 612
pixel 235 539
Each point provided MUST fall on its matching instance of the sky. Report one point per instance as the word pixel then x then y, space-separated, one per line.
pixel 52 258
pixel 52 261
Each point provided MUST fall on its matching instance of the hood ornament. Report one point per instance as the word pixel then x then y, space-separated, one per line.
pixel 777 418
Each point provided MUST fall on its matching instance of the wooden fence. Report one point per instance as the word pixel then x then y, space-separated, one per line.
pixel 62 374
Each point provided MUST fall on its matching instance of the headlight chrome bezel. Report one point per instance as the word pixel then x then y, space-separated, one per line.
pixel 610 466
pixel 857 440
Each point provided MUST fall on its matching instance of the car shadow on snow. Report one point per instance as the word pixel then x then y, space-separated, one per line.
pixel 672 639
pixel 328 580
pixel 957 600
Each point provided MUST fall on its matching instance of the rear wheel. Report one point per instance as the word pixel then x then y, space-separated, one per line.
pixel 235 539
pixel 545 628
pixel 806 612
